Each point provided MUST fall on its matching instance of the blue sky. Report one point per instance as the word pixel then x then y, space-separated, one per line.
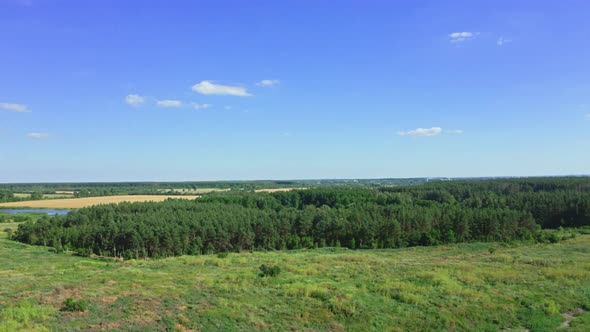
pixel 218 90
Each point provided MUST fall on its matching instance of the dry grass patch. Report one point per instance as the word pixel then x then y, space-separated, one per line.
pixel 274 190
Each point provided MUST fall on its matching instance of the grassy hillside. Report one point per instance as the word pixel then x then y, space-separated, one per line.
pixel 453 287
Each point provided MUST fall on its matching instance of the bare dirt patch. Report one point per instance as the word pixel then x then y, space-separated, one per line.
pixel 569 316
pixel 108 299
pixel 58 296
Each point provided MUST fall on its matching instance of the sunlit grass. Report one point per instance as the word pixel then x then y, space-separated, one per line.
pixel 460 287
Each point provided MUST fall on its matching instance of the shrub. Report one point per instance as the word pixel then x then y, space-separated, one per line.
pixel 550 307
pixel 74 306
pixel 222 255
pixel 554 238
pixel 492 250
pixel 269 270
pixel 84 252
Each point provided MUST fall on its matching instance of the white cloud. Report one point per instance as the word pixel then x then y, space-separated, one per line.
pixel 228 108
pixel 465 34
pixel 38 135
pixel 134 100
pixel 421 132
pixel 501 41
pixel 454 131
pixel 268 83
pixel 459 37
pixel 209 88
pixel 14 107
pixel 200 106
pixel 169 103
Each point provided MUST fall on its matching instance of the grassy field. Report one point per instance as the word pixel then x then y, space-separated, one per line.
pixel 76 203
pixel 464 287
pixel 198 191
pixel 274 190
pixel 22 195
pixel 53 196
pixel 47 196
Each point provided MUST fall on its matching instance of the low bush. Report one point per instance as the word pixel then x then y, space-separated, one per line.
pixel 269 270
pixel 72 305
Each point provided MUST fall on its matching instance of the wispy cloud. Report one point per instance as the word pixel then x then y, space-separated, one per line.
pixel 501 41
pixel 169 103
pixel 134 100
pixel 200 106
pixel 38 135
pixel 587 116
pixel 454 131
pixel 14 107
pixel 421 132
pixel 459 37
pixel 268 83
pixel 209 88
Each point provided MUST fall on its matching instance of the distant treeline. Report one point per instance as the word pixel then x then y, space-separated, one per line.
pixel 93 189
pixel 353 217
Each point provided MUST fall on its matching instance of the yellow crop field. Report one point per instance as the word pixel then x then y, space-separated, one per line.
pixel 76 203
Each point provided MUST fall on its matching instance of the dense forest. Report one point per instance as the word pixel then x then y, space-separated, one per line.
pixel 354 217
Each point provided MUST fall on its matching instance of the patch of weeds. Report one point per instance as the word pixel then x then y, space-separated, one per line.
pixel 169 323
pixel 343 305
pixel 72 305
pixel 269 270
pixel 540 315
pixel 26 316
pixel 122 307
pixel 320 294
pixel 550 307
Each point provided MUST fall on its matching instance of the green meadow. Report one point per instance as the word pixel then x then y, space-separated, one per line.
pixel 475 287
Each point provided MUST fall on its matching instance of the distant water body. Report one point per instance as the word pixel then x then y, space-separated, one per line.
pixel 49 212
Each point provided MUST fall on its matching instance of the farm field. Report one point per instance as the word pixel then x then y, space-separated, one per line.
pixel 462 287
pixel 76 203
pixel 50 196
pixel 53 196
pixel 276 190
pixel 198 191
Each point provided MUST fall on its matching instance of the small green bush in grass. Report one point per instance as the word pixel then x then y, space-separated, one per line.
pixel 554 238
pixel 74 306
pixel 269 270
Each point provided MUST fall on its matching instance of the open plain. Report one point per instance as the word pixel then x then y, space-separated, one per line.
pixel 77 203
